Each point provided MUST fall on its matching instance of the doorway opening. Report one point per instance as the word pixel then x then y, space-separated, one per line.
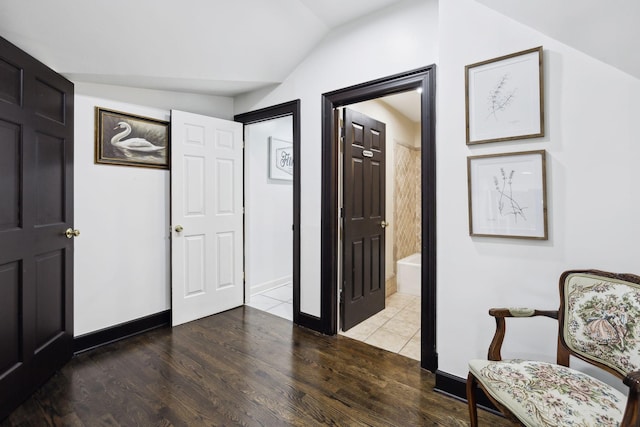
pixel 272 283
pixel 268 216
pixel 391 195
pixel 423 79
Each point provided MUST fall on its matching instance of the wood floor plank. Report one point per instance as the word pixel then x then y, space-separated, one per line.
pixel 243 367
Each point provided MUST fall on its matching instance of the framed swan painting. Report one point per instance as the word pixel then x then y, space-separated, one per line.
pixel 130 140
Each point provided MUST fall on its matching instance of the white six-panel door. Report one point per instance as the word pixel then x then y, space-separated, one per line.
pixel 206 216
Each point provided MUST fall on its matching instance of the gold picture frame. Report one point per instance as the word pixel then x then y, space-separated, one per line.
pixel 129 140
pixel 504 98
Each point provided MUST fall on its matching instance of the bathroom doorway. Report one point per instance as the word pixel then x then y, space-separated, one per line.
pixel 389 155
pixel 331 279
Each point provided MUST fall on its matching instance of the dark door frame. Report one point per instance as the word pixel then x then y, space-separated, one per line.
pixel 281 110
pixel 420 78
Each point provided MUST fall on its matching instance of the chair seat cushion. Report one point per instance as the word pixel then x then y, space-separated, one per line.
pixel 545 394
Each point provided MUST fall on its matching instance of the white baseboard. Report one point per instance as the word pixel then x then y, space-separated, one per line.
pixel 265 286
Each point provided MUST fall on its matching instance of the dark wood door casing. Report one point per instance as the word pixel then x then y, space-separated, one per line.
pixel 425 80
pixel 36 207
pixel 364 212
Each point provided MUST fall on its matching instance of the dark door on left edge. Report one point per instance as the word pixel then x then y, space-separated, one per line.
pixel 36 207
pixel 363 288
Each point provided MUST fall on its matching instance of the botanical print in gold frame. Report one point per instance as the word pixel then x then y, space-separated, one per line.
pixel 129 140
pixel 507 195
pixel 504 98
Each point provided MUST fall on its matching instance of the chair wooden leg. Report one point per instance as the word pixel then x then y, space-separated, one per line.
pixel 632 414
pixel 471 400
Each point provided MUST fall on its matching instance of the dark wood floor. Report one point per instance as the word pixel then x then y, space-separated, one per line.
pixel 243 367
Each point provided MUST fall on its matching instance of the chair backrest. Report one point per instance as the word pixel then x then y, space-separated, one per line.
pixel 599 318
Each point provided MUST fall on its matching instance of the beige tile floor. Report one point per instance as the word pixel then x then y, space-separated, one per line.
pixel 396 328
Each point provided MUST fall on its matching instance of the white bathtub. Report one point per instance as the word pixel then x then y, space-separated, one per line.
pixel 408 274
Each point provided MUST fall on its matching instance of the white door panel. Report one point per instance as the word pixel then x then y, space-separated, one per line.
pixel 206 201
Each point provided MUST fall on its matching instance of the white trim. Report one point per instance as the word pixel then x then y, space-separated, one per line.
pixel 267 286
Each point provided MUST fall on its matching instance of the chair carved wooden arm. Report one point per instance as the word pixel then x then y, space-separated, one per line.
pixel 598 322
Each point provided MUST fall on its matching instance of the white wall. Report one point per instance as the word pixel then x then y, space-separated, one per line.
pixel 400 38
pixel 121 268
pixel 592 149
pixel 591 110
pixel 399 130
pixel 268 210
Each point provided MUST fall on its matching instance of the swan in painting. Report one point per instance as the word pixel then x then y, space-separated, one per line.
pixel 133 144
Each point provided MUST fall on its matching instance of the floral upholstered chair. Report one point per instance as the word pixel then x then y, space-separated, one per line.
pixel 599 322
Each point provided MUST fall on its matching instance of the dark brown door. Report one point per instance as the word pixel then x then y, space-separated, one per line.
pixel 363 218
pixel 36 207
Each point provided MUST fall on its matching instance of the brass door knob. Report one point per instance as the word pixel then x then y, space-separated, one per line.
pixel 179 228
pixel 70 233
pixel 384 224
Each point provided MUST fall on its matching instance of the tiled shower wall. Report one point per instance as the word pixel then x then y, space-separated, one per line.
pixel 407 201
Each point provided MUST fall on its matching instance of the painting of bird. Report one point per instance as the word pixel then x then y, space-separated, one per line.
pixel 126 139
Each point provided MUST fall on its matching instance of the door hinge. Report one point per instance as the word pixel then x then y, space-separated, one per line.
pixel 243 210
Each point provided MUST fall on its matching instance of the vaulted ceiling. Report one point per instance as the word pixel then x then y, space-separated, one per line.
pixel 227 47
pixel 221 47
pixel 606 30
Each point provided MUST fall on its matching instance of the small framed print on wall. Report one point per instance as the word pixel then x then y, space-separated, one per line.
pixel 280 159
pixel 507 195
pixel 505 98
